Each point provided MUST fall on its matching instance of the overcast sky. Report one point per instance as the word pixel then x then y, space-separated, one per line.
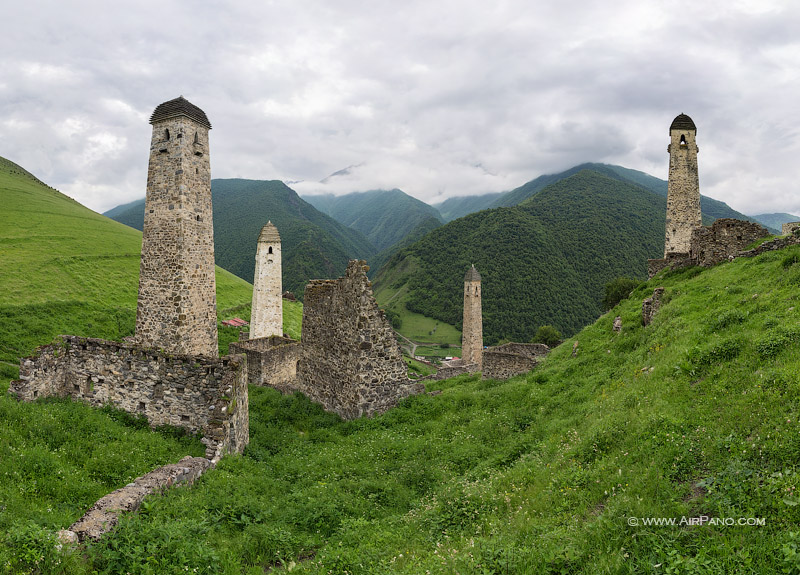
pixel 436 97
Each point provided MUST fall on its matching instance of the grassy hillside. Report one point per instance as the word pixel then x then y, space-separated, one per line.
pixel 543 263
pixel 67 270
pixel 385 217
pixel 691 419
pixel 314 245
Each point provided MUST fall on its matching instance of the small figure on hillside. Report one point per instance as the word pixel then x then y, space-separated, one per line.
pixel 575 349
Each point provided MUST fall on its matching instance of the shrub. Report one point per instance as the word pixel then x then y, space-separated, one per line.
pixel 547 335
pixel 618 290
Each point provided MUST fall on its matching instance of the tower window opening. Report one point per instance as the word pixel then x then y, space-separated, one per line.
pixel 166 134
pixel 269 251
pixel 683 139
pixel 196 138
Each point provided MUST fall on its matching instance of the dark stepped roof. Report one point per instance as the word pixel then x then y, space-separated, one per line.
pixel 683 122
pixel 180 106
pixel 472 275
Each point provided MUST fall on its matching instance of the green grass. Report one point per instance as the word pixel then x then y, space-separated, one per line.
pixel 695 415
pixel 68 270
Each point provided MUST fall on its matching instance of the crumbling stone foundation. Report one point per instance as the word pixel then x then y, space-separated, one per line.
pixel 723 240
pixel 512 359
pixel 651 305
pixel 200 394
pixel 789 227
pixel 271 361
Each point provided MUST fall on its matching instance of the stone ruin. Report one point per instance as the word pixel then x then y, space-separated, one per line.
pixel 171 373
pixel 651 305
pixel 789 227
pixel 512 359
pixel 348 359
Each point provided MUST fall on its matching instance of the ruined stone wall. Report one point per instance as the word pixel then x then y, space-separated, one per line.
pixel 266 317
pixel 512 359
pixel 789 227
pixel 271 361
pixel 683 188
pixel 176 310
pixel 200 394
pixel 351 362
pixel 724 239
pixel 651 305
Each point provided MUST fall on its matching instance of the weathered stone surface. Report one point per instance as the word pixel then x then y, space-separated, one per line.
pixel 472 324
pixel 723 240
pixel 789 227
pixel 271 361
pixel 683 188
pixel 104 515
pixel 351 362
pixel 202 394
pixel 777 244
pixel 618 324
pixel 651 305
pixel 176 310
pixel 453 368
pixel 267 310
pixel 512 359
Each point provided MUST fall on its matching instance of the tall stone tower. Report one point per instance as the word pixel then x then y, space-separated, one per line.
pixel 267 309
pixel 472 330
pixel 683 195
pixel 177 308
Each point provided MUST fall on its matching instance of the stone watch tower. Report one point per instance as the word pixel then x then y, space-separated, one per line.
pixel 683 195
pixel 177 308
pixel 472 330
pixel 267 310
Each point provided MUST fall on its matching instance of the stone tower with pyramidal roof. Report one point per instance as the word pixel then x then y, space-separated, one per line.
pixel 177 306
pixel 683 192
pixel 267 310
pixel 472 329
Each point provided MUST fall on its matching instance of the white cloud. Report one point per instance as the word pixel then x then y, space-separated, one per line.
pixel 436 98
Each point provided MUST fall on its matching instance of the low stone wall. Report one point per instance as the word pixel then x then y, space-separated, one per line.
pixel 199 394
pixel 104 515
pixel 789 227
pixel 450 370
pixel 510 359
pixel 723 240
pixel 351 362
pixel 673 261
pixel 772 245
pixel 271 361
pixel 651 305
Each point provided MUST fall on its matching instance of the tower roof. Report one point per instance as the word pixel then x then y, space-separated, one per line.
pixel 472 275
pixel 683 122
pixel 269 233
pixel 180 106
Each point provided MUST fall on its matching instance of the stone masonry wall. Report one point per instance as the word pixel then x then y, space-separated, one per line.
pixel 266 316
pixel 176 309
pixel 271 361
pixel 196 393
pixel 789 227
pixel 512 359
pixel 724 239
pixel 351 362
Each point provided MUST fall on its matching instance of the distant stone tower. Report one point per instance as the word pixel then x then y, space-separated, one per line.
pixel 266 317
pixel 177 308
pixel 683 195
pixel 472 330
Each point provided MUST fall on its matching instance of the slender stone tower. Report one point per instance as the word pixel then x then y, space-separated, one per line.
pixel 683 195
pixel 472 329
pixel 267 310
pixel 177 308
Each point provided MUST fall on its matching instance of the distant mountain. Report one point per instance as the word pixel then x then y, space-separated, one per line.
pixel 385 217
pixel 314 244
pixel 775 221
pixel 544 262
pixel 458 207
pixel 423 228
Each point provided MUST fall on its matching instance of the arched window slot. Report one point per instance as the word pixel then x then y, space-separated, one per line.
pixel 269 251
pixel 196 138
pixel 166 134
pixel 683 139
